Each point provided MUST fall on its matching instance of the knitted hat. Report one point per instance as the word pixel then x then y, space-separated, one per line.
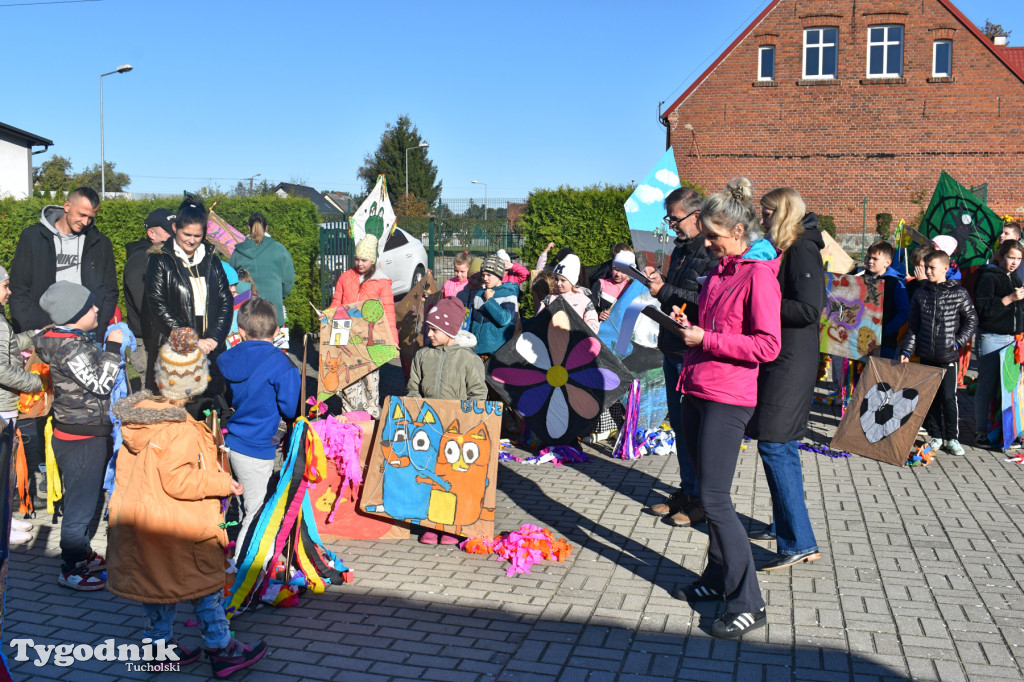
pixel 182 371
pixel 503 255
pixel 493 265
pixel 367 248
pixel 66 302
pixel 626 258
pixel 569 267
pixel 231 273
pixel 448 316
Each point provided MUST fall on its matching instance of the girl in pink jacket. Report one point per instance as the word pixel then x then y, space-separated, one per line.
pixel 739 327
pixel 567 274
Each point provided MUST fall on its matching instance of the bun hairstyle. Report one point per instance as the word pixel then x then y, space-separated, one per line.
pixel 191 212
pixel 732 207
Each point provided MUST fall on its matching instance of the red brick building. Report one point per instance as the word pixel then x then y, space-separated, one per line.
pixel 847 99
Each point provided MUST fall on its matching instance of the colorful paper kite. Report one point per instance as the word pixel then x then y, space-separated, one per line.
pixel 354 341
pixel 557 374
pixel 955 211
pixel 1011 389
pixel 645 213
pixel 374 216
pixel 851 323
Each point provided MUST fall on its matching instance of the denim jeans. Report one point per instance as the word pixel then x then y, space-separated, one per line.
pixel 687 476
pixel 792 525
pixel 989 372
pixel 209 610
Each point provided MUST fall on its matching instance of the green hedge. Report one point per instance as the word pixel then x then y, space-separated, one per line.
pixel 293 222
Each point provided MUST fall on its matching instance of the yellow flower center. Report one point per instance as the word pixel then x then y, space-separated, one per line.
pixel 557 376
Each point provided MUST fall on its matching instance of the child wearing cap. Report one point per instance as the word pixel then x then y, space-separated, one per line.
pixel 166 539
pixel 514 272
pixel 359 283
pixel 567 274
pixel 14 380
pixel 494 309
pixel 264 387
pixel 83 377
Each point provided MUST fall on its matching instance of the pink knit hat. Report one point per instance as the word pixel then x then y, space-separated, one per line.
pixel 448 316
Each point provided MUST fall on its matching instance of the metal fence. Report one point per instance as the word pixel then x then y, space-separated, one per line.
pixel 336 252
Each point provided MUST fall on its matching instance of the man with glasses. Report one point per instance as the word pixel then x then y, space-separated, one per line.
pixel 691 260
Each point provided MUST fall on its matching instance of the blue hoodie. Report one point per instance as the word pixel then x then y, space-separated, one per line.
pixel 264 387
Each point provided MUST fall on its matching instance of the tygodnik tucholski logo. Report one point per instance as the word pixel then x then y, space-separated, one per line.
pixel 149 656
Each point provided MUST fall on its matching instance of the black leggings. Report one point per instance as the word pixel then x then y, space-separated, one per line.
pixel 713 433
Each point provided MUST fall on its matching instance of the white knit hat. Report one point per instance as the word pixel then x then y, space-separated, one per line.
pixel 569 268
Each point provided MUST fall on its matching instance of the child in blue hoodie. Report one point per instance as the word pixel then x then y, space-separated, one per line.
pixel 264 387
pixel 895 302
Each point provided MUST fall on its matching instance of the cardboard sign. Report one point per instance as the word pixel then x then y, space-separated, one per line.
pixel 834 257
pixel 222 235
pixel 435 463
pixel 851 323
pixel 411 314
pixel 354 341
pixel 887 409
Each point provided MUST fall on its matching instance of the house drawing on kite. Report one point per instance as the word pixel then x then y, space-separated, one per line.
pixel 854 100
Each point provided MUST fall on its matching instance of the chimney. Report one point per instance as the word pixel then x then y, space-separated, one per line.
pixel 1000 40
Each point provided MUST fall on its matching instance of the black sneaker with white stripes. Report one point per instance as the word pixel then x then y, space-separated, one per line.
pixel 698 592
pixel 732 625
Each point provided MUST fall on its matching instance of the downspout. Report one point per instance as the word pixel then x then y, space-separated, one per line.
pixel 663 120
pixel 41 151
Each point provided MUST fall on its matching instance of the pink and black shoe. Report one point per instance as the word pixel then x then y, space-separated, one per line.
pixel 234 657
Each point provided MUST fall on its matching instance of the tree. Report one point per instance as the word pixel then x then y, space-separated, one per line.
pixel 54 174
pixel 410 206
pixel 992 30
pixel 90 177
pixel 389 159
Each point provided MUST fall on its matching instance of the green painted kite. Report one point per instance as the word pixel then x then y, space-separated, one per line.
pixel 955 211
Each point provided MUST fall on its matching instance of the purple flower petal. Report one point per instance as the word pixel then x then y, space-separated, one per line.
pixel 532 400
pixel 517 376
pixel 584 353
pixel 596 377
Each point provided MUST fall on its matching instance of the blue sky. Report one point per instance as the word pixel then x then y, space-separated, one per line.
pixel 517 95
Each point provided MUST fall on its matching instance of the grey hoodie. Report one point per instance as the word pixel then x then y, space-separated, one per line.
pixel 68 247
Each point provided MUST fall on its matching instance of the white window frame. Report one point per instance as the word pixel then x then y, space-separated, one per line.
pixel 885 44
pixel 760 61
pixel 935 58
pixel 821 54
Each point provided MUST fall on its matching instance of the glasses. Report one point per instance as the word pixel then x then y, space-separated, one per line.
pixel 673 223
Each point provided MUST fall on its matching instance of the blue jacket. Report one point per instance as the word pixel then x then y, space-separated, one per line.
pixel 493 322
pixel 264 386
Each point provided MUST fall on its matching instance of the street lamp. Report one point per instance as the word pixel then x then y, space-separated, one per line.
pixel 124 68
pixel 421 145
pixel 250 179
pixel 476 182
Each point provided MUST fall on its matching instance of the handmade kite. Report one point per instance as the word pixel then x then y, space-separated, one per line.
pixel 288 515
pixel 888 406
pixel 851 323
pixel 410 314
pixel 557 374
pixel 1011 388
pixel 645 213
pixel 834 257
pixel 354 341
pixel 374 216
pixel 955 211
pixel 336 498
pixel 224 237
pixel 435 463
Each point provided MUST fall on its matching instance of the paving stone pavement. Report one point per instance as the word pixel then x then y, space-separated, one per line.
pixel 917 580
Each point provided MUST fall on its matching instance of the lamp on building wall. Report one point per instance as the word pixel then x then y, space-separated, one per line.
pixel 693 137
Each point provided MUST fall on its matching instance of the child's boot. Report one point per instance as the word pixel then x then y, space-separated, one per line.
pixel 235 656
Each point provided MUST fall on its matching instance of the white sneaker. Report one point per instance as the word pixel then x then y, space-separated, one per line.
pixel 19 524
pixel 19 537
pixel 936 444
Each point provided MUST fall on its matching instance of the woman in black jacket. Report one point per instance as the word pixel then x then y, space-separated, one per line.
pixel 999 300
pixel 785 385
pixel 186 287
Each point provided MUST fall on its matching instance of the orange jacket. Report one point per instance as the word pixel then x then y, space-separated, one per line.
pixel 349 290
pixel 165 544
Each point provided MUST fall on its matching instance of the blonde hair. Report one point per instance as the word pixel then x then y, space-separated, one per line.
pixel 463 258
pixel 257 227
pixel 732 207
pixel 787 220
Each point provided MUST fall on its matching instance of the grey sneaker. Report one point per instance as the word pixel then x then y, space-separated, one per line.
pixel 953 447
pixel 936 444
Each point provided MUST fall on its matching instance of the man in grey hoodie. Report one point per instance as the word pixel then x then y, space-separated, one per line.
pixel 64 246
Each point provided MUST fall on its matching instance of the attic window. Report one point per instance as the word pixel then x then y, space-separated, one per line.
pixel 885 51
pixel 942 59
pixel 821 52
pixel 766 63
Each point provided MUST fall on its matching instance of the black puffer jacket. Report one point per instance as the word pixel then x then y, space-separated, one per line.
pixel 690 260
pixel 942 320
pixel 83 377
pixel 993 317
pixel 168 298
pixel 785 385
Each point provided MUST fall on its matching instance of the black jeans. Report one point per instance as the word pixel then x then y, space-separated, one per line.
pixel 714 433
pixel 82 464
pixel 942 420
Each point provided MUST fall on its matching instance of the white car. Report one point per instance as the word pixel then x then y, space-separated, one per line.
pixel 404 261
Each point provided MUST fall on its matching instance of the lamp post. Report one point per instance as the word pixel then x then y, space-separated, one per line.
pixel 250 179
pixel 477 182
pixel 421 145
pixel 124 68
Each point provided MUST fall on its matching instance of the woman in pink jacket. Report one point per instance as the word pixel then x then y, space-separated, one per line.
pixel 738 328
